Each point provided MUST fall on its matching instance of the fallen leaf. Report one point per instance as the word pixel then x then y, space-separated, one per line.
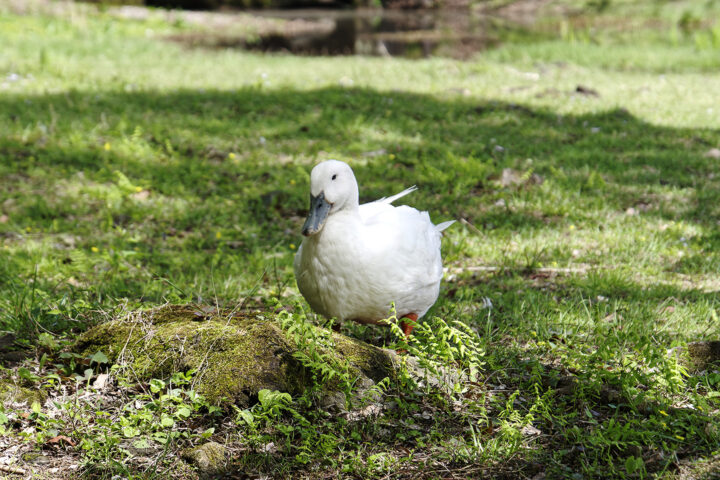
pixel 374 153
pixel 62 438
pixel 586 91
pixel 510 177
pixel 141 195
pixel 269 448
pixel 101 380
pixel 713 153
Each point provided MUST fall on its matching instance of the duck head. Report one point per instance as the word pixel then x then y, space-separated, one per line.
pixel 333 188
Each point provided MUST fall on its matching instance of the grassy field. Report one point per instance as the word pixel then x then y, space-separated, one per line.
pixel 135 172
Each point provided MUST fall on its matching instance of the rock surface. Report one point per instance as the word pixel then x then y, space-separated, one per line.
pixel 209 458
pixel 704 355
pixel 236 354
pixel 9 352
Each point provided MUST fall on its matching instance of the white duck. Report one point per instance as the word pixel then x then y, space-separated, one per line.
pixel 357 259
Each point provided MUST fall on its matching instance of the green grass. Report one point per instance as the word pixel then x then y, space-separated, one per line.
pixel 135 172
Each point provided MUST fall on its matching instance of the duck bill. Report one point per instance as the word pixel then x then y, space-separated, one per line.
pixel 319 211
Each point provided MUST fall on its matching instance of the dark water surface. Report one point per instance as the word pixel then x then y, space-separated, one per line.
pixel 406 33
pixel 417 33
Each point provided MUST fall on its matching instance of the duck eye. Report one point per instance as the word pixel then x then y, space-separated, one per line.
pixel 334 177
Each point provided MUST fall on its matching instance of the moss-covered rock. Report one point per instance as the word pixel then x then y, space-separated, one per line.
pixel 10 392
pixel 209 458
pixel 235 354
pixel 703 355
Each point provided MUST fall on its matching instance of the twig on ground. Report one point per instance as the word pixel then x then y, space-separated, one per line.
pixel 11 469
pixel 538 270
pixel 472 227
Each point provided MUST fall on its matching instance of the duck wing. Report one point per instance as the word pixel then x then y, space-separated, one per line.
pixel 402 246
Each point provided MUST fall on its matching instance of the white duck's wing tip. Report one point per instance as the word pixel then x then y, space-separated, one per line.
pixel 397 195
pixel 442 226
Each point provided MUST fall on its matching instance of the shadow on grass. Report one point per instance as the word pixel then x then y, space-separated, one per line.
pixel 599 346
pixel 216 160
pixel 589 355
pixel 452 147
pixel 237 162
pixel 221 165
pixel 599 420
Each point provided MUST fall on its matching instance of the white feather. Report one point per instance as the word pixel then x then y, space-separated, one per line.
pixel 397 195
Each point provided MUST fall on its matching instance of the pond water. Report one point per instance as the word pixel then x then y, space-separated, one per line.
pixel 407 33
pixel 417 33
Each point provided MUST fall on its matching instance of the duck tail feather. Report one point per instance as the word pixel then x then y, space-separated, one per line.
pixel 398 195
pixel 442 226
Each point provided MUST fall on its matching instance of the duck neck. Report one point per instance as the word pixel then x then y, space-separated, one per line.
pixel 351 202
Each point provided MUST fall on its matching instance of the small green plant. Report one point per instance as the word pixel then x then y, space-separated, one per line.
pixel 276 417
pixel 269 408
pixel 439 345
pixel 315 347
pixel 154 421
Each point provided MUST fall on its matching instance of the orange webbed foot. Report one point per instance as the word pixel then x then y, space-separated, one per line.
pixel 407 326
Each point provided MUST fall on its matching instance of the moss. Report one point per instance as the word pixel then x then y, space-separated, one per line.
pixel 374 362
pixel 703 355
pixel 235 355
pixel 11 392
pixel 209 458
